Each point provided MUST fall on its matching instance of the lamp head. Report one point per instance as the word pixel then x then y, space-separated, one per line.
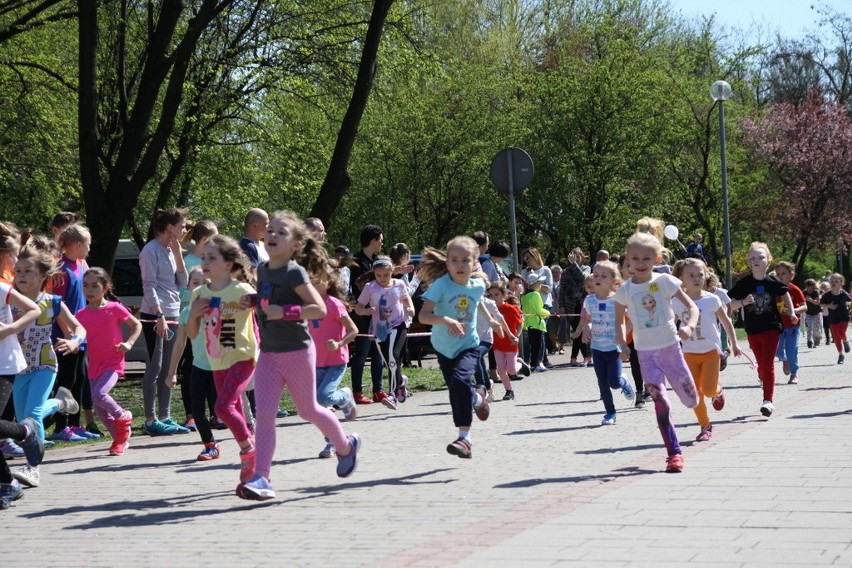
pixel 720 91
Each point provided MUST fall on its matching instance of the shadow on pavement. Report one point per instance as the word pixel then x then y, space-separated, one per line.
pixel 605 477
pixel 412 479
pixel 820 415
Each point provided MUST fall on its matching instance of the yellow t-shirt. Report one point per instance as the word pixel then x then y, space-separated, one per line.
pixel 228 329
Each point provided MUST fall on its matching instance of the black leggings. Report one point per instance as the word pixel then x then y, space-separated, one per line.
pixel 9 430
pixel 185 372
pixel 203 391
pixel 536 345
pixel 392 348
pixel 636 370
pixel 577 346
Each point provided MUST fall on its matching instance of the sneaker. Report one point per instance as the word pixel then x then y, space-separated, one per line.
pixel 11 450
pixel 346 464
pixel 83 433
pixel 523 367
pixel 810 344
pixel 66 435
pixel 385 398
pixel 210 452
pixel 117 448
pixel 282 413
pixel 247 463
pixel 401 392
pixel 639 403
pixel 257 488
pixel 482 409
pixel 561 351
pixel 627 390
pixel 646 396
pixel 794 380
pixel 785 367
pixel 574 363
pixel 588 362
pixel 846 347
pixel 92 428
pixel 705 434
pixel 178 428
pixel 547 364
pixel 608 420
pixel 510 395
pixel 723 361
pixel 67 403
pixel 718 401
pixel 190 425
pixel 767 408
pixel 10 492
pixel 350 409
pixel 841 359
pixel 491 396
pixel 27 475
pixel 674 464
pixel 215 424
pixel 540 369
pixel 33 445
pixel 327 451
pixel 361 399
pixel 159 428
pixel 461 448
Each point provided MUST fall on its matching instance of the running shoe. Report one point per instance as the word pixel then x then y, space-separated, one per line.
pixel 327 451
pixel 33 445
pixel 705 433
pixel 510 395
pixel 482 409
pixel 846 346
pixel 523 367
pixel 179 429
pixel 794 380
pixel 67 403
pixel 210 452
pixel 350 409
pixel 346 464
pixel 92 428
pixel 11 450
pixel 767 408
pixel 361 399
pixel 159 428
pixel 785 367
pixel 385 398
pixel 27 475
pixel 674 464
pixel 627 390
pixel 718 401
pixel 190 425
pixel 608 419
pixel 83 433
pixel 66 435
pixel 257 488
pixel 461 448
pixel 10 492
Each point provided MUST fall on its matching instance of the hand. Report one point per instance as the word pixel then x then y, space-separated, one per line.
pixel 273 311
pixel 794 318
pixel 455 327
pixel 124 347
pixel 171 381
pixel 735 348
pixel 198 307
pixel 333 345
pixel 514 340
pixel 161 327
pixel 748 300
pixel 587 335
pixel 410 311
pixel 5 330
pixel 65 346
pixel 684 332
pixel 625 354
pixel 248 301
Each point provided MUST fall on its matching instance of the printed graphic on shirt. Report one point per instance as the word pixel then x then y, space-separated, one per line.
pixel 648 307
pixel 220 329
pixel 463 308
pixel 764 300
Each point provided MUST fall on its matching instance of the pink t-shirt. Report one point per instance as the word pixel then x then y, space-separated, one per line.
pixel 103 332
pixel 330 327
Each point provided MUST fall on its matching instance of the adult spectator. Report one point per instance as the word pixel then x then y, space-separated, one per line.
pixel 372 239
pixel 557 327
pixel 571 295
pixel 497 253
pixel 316 228
pixel 535 265
pixel 486 265
pixel 254 230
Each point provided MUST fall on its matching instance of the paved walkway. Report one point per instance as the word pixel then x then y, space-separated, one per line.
pixel 547 486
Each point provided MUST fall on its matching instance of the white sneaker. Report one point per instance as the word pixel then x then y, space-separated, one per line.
pixel 327 451
pixel 767 408
pixel 27 475
pixel 350 410
pixel 67 404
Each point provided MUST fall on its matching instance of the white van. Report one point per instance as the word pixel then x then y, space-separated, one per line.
pixel 127 283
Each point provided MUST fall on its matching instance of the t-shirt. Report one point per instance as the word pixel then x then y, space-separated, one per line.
pixel 278 286
pixel 228 329
pixel 602 313
pixel 649 305
pixel 798 300
pixel 254 251
pixel 330 327
pixel 813 307
pixel 483 326
pixel 705 337
pixel 841 312
pixel 459 302
pixel 104 333
pixel 512 314
pixel 391 311
pixel 763 314
pixel 198 343
pixel 37 344
pixel 11 357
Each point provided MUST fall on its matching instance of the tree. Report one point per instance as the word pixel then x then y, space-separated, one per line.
pixel 808 150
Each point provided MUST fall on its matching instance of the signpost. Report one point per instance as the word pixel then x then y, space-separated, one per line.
pixel 511 173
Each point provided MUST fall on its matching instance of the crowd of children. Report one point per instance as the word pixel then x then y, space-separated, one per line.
pixel 274 311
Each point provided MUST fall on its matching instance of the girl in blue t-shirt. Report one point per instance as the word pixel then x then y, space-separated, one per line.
pixel 450 308
pixel 597 321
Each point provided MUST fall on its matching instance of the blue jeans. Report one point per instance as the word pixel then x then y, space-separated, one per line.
pixel 481 371
pixel 328 381
pixel 31 393
pixel 608 371
pixel 788 348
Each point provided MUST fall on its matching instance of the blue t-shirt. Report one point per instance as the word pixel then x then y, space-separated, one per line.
pixel 602 313
pixel 460 303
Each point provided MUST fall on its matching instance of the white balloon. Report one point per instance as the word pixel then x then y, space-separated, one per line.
pixel 671 232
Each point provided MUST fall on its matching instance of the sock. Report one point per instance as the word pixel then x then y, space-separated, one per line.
pixel 478 402
pixel 465 435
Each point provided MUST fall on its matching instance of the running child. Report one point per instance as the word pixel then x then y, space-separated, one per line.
pixel 836 301
pixel 759 295
pixel 227 326
pixel 332 335
pixel 598 316
pixel 200 378
pixel 102 317
pixel 450 308
pixel 788 343
pixel 703 350
pixel 486 336
pixel 32 386
pixel 646 297
pixel 505 348
pixel 287 354
pixel 813 314
pixel 387 301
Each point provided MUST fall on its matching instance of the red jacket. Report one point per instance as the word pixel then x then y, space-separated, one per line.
pixel 514 319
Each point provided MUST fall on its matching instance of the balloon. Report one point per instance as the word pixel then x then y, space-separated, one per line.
pixel 671 232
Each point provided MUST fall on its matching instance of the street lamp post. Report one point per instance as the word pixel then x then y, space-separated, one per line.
pixel 721 91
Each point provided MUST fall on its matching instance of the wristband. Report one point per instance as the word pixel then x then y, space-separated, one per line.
pixel 75 338
pixel 292 312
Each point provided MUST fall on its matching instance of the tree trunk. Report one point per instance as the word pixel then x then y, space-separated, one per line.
pixel 337 179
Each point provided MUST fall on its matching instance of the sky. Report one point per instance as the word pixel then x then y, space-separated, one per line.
pixel 792 18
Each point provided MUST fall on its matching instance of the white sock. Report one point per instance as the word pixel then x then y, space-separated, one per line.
pixel 465 435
